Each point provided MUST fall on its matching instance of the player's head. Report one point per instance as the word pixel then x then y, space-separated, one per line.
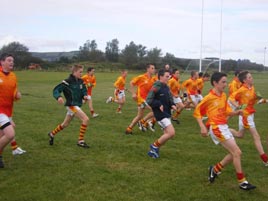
pixel 216 77
pixel 7 61
pixel 163 75
pixel 150 67
pixel 77 70
pixel 176 73
pixel 242 76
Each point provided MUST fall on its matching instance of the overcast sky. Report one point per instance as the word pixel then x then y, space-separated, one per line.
pixel 174 26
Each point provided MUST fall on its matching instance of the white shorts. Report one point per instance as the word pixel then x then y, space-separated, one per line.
pixel 177 100
pixel 196 98
pixel 4 119
pixel 88 97
pixel 164 122
pixel 246 122
pixel 220 133
pixel 121 94
pixel 71 110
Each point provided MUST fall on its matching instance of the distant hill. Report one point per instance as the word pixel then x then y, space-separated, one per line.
pixel 54 56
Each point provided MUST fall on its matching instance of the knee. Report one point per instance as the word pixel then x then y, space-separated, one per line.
pixel 85 121
pixel 238 153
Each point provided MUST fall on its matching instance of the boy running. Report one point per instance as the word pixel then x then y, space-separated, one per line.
pixel 161 102
pixel 90 82
pixel 74 92
pixel 119 92
pixel 215 106
pixel 246 97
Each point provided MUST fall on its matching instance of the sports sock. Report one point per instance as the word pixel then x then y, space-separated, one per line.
pixel 92 112
pixel 57 129
pixel 157 144
pixel 176 114
pixel 240 177
pixel 217 168
pixel 14 145
pixel 264 157
pixel 83 129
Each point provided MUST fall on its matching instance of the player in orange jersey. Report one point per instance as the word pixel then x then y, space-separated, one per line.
pixel 16 150
pixel 215 106
pixel 90 82
pixel 8 94
pixel 235 84
pixel 142 84
pixel 201 82
pixel 119 92
pixel 191 88
pixel 174 85
pixel 246 97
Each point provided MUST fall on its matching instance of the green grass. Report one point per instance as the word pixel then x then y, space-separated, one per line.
pixel 117 167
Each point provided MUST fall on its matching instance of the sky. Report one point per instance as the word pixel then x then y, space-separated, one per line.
pixel 232 29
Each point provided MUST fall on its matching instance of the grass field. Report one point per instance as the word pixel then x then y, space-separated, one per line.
pixel 117 167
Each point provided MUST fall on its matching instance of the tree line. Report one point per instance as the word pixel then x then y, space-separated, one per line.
pixel 133 56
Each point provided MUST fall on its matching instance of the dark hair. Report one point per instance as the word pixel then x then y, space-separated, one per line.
pixel 174 71
pixel 206 75
pixel 149 64
pixel 242 76
pixel 5 55
pixel 200 74
pixel 237 72
pixel 90 69
pixel 216 77
pixel 162 71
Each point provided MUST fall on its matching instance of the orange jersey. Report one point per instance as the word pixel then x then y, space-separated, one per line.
pixel 234 85
pixel 191 86
pixel 144 84
pixel 120 83
pixel 174 85
pixel 200 84
pixel 245 95
pixel 90 82
pixel 215 107
pixel 8 90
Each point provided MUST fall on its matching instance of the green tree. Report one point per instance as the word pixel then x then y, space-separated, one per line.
pixel 21 54
pixel 154 56
pixel 129 55
pixel 112 51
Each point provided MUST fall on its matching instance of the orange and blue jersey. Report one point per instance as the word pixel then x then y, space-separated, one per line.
pixel 144 83
pixel 8 90
pixel 174 85
pixel 90 82
pixel 191 86
pixel 215 107
pixel 245 96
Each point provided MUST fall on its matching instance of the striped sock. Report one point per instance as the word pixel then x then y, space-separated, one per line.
pixel 240 177
pixel 217 168
pixel 14 145
pixel 157 144
pixel 83 129
pixel 57 129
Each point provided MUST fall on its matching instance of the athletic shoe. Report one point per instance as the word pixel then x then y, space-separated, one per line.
pixel 18 151
pixel 154 151
pixel 141 126
pixel 265 164
pixel 246 186
pixel 1 162
pixel 176 120
pixel 83 144
pixel 204 118
pixel 119 112
pixel 109 100
pixel 211 174
pixel 128 131
pixel 95 115
pixel 51 139
pixel 151 126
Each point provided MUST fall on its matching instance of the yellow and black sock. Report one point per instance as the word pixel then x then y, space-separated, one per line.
pixel 57 129
pixel 82 132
